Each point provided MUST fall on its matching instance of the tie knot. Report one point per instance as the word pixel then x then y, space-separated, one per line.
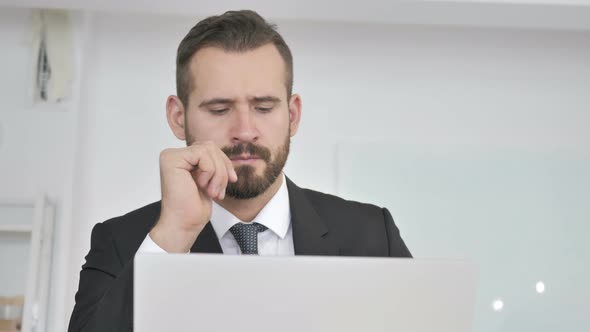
pixel 247 236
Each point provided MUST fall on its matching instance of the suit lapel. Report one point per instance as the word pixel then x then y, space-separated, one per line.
pixel 310 233
pixel 207 241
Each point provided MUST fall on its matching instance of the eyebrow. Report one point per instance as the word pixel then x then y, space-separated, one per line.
pixel 216 101
pixel 264 99
pixel 257 99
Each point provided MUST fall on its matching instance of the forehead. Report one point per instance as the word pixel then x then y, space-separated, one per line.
pixel 219 73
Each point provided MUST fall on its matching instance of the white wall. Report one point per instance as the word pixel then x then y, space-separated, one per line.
pixel 38 141
pixel 389 84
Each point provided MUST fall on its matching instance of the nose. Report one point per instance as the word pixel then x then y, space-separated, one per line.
pixel 244 126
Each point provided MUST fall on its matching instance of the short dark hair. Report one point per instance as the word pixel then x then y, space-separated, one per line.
pixel 235 31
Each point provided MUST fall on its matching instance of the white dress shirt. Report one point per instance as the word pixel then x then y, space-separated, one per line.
pixel 277 240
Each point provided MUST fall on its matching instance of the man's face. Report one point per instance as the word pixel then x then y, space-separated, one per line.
pixel 239 102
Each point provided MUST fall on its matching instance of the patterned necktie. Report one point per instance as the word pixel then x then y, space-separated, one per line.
pixel 247 236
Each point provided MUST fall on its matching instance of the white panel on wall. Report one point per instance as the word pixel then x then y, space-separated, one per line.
pixel 521 214
pixel 14 258
pixel 16 221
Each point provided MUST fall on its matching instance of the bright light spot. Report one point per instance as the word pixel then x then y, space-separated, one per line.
pixel 498 305
pixel 540 286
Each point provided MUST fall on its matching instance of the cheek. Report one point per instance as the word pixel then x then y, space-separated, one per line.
pixel 277 123
pixel 205 129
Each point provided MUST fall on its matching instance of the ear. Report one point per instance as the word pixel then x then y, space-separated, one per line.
pixel 175 115
pixel 294 113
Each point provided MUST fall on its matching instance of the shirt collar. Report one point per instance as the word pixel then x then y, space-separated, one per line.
pixel 276 214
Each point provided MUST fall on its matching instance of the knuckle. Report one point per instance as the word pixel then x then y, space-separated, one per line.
pixel 195 148
pixel 165 154
pixel 222 178
pixel 206 167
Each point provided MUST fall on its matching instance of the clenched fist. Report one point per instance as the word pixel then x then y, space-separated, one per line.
pixel 190 179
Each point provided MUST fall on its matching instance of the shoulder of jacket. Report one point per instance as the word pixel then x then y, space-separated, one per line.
pixel 144 216
pixel 322 201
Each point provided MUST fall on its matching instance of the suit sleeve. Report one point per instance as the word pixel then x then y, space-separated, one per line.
pixel 397 247
pixel 105 296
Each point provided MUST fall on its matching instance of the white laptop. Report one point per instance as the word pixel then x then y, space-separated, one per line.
pixel 209 292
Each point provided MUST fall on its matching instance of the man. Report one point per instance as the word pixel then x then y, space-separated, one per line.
pixel 225 192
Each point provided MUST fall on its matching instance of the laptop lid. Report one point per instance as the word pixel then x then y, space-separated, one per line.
pixel 212 292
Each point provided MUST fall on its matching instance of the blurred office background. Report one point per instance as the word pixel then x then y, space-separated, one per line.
pixel 469 120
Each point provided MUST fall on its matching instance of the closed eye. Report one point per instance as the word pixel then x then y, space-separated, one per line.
pixel 219 111
pixel 264 109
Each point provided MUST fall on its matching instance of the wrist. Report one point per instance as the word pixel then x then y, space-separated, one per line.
pixel 172 238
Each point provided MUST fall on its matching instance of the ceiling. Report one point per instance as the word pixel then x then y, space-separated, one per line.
pixel 532 14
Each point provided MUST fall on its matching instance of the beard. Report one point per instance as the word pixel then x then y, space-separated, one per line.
pixel 250 184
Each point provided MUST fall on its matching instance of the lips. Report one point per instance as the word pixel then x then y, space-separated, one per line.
pixel 247 153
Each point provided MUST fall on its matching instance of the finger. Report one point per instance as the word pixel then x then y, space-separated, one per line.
pixel 210 185
pixel 227 170
pixel 203 178
pixel 202 163
pixel 219 180
pixel 231 172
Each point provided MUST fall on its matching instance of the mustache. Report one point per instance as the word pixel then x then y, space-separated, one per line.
pixel 247 148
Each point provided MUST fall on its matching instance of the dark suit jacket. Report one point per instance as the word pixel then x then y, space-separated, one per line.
pixel 322 225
